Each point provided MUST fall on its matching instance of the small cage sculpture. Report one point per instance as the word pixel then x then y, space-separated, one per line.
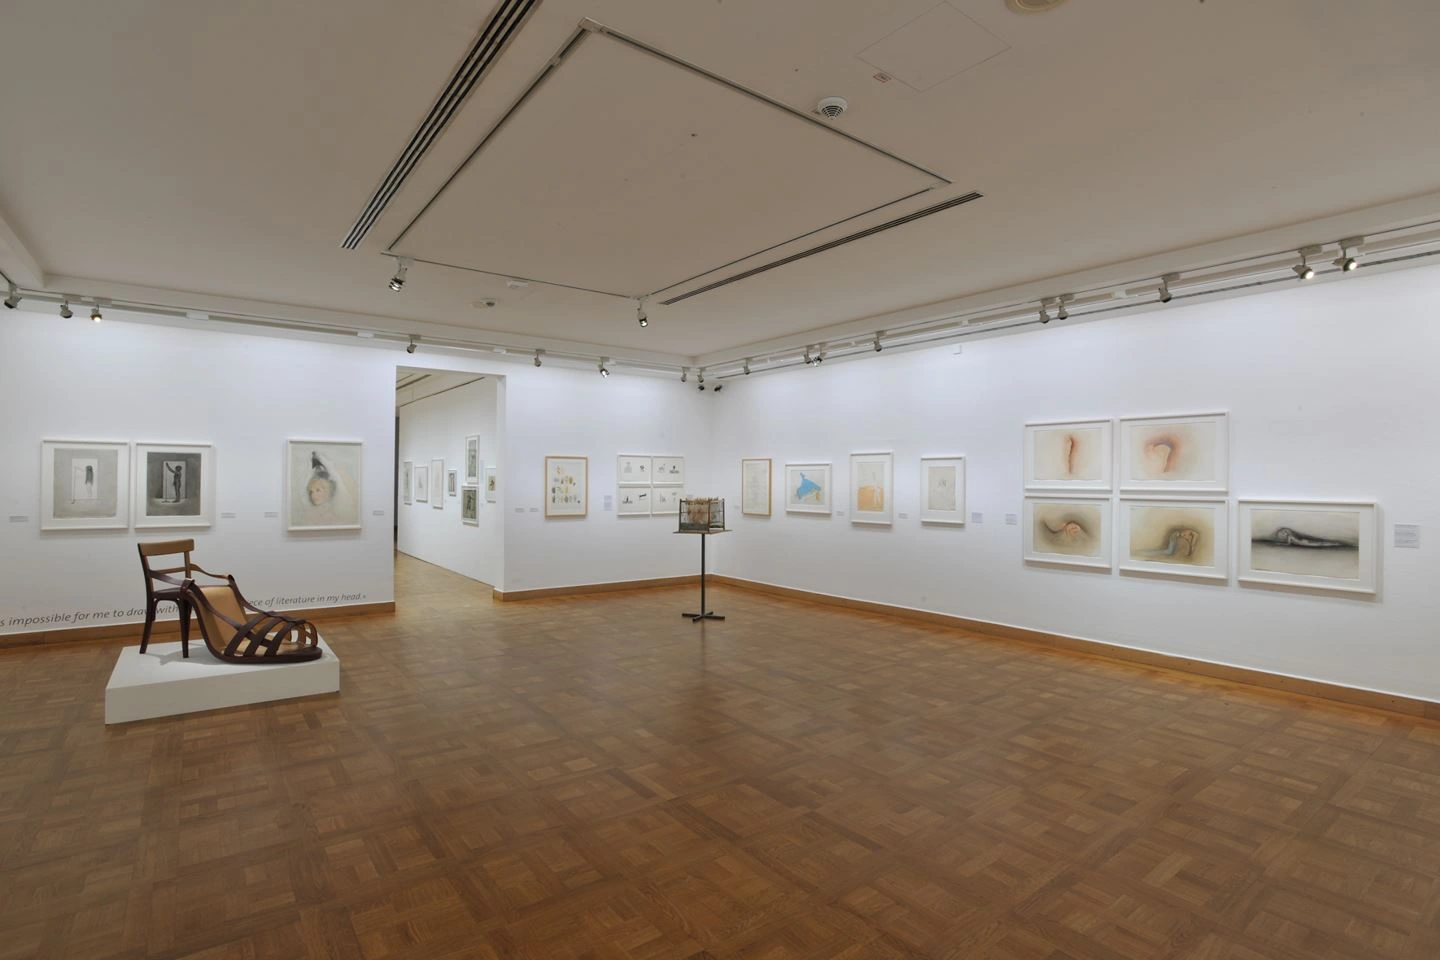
pixel 702 514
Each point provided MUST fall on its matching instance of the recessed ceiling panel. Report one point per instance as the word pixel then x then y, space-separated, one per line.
pixel 629 173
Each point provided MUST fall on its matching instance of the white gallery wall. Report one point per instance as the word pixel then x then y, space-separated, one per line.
pixel 1330 389
pixel 436 427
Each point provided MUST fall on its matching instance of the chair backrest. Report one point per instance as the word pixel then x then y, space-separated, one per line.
pixel 164 548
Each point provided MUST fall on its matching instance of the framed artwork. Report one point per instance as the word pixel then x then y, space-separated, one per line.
pixel 1182 453
pixel 631 470
pixel 470 505
pixel 1073 531
pixel 422 484
pixel 407 480
pixel 807 488
pixel 666 501
pixel 322 484
pixel 633 501
pixel 668 470
pixel 472 461
pixel 84 485
pixel 174 485
pixel 872 488
pixel 1324 545
pixel 491 485
pixel 1175 538
pixel 1068 455
pixel 437 483
pixel 567 486
pixel 755 487
pixel 452 482
pixel 942 490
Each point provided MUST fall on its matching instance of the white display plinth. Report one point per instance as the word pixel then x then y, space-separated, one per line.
pixel 162 683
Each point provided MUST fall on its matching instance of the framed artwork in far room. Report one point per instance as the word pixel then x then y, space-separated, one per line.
pixel 470 506
pixel 755 483
pixel 492 485
pixel 942 490
pixel 472 461
pixel 407 480
pixel 437 483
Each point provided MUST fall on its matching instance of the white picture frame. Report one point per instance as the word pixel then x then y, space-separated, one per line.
pixel 422 483
pixel 174 485
pixel 1331 545
pixel 1181 538
pixel 633 470
pixel 407 481
pixel 472 461
pixel 1177 454
pixel 668 470
pixel 452 483
pixel 470 505
pixel 665 500
pixel 1068 531
pixel 942 490
pixel 322 488
pixel 801 497
pixel 84 485
pixel 633 501
pixel 437 483
pixel 567 486
pixel 872 488
pixel 1073 456
pixel 492 484
pixel 756 481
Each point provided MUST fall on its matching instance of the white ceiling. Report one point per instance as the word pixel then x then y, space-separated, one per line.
pixel 224 149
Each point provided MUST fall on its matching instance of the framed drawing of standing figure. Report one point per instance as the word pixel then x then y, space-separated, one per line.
pixel 174 485
pixel 472 461
pixel 84 485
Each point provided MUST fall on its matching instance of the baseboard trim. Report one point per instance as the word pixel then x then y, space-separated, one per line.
pixel 169 629
pixel 580 589
pixel 1353 696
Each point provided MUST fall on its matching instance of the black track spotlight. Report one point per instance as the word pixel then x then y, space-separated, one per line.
pixel 819 356
pixel 95 313
pixel 1303 270
pixel 700 378
pixel 65 312
pixel 1165 295
pixel 402 267
pixel 878 346
pixel 537 357
pixel 1044 312
pixel 684 374
pixel 413 345
pixel 640 317
pixel 12 300
pixel 719 387
pixel 746 366
pixel 603 372
pixel 1346 261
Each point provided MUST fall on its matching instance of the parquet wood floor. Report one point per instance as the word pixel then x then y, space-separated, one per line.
pixel 600 779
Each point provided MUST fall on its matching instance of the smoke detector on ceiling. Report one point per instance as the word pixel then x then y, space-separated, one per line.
pixel 1032 6
pixel 485 304
pixel 831 107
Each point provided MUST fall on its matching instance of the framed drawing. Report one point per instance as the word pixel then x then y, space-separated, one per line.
pixel 1182 453
pixel 322 485
pixel 633 501
pixel 422 484
pixel 755 487
pixel 1175 538
pixel 491 485
pixel 807 488
pixel 407 480
pixel 84 485
pixel 472 461
pixel 667 501
pixel 668 470
pixel 567 486
pixel 872 488
pixel 174 485
pixel 631 470
pixel 452 482
pixel 437 483
pixel 470 506
pixel 1074 531
pixel 942 490
pixel 1324 545
pixel 1068 455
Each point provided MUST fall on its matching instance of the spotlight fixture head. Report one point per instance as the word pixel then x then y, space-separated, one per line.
pixel 700 378
pixel 1044 312
pixel 413 345
pixel 1303 270
pixel 719 387
pixel 537 357
pixel 402 267
pixel 809 360
pixel 1346 261
pixel 819 356
pixel 1064 312
pixel 1165 295
pixel 878 346
pixel 603 372
pixel 746 366
pixel 13 299
pixel 640 317
pixel 95 313
pixel 684 374
pixel 65 312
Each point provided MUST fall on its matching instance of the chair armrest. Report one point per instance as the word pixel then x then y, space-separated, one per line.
pixel 217 576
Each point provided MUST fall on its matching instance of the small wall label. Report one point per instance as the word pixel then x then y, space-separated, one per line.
pixel 1407 535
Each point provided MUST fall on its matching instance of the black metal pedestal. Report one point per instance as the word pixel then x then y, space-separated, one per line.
pixel 704 614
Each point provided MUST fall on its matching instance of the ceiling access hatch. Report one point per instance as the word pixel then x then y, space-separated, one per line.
pixel 626 171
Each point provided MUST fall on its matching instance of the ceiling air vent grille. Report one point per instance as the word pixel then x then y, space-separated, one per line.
pixel 507 20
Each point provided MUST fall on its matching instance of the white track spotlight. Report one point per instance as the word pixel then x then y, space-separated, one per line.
pixel 746 366
pixel 65 312
pixel 1303 270
pixel 878 347
pixel 402 267
pixel 13 299
pixel 819 356
pixel 413 345
pixel 603 372
pixel 95 313
pixel 1346 261
pixel 1165 295
pixel 537 357
pixel 1064 312
pixel 640 317
pixel 1044 315
pixel 684 374
pixel 809 360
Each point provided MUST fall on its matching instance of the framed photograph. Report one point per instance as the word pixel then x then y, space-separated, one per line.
pixel 942 490
pixel 322 485
pixel 755 487
pixel 668 470
pixel 437 483
pixel 807 488
pixel 174 485
pixel 470 506
pixel 567 486
pixel 452 483
pixel 491 485
pixel 472 461
pixel 1175 538
pixel 84 485
pixel 1181 454
pixel 633 501
pixel 422 484
pixel 631 470
pixel 1323 545
pixel 1068 455
pixel 872 488
pixel 666 501
pixel 1073 531
pixel 407 480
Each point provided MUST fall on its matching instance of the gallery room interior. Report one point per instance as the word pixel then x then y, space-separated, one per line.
pixel 653 480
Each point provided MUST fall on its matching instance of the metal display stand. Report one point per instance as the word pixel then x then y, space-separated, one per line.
pixel 704 614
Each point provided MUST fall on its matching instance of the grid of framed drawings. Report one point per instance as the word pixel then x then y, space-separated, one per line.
pixel 648 486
